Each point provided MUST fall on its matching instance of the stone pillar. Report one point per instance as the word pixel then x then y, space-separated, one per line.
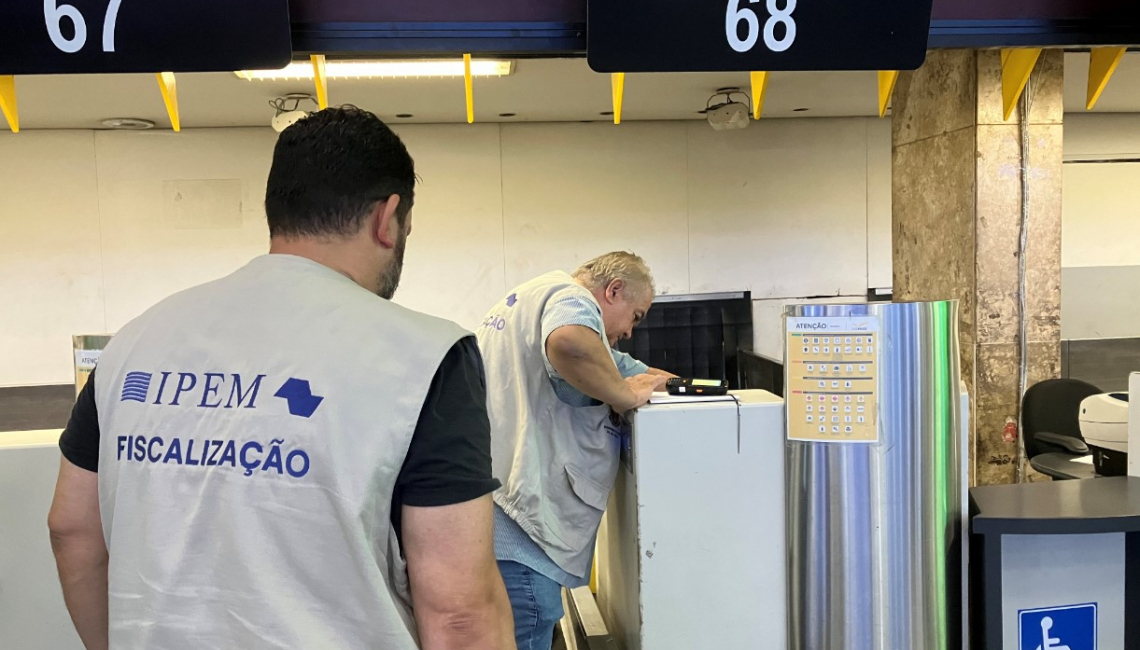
pixel 961 190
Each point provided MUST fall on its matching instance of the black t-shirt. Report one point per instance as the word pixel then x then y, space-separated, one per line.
pixel 448 462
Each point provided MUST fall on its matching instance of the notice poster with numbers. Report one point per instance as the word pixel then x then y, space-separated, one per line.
pixel 831 386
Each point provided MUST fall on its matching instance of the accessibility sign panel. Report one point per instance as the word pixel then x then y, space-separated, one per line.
pixel 1068 627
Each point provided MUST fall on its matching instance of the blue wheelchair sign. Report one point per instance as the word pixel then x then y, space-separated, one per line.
pixel 1069 627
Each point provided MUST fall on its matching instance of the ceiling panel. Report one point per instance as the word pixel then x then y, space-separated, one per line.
pixel 540 90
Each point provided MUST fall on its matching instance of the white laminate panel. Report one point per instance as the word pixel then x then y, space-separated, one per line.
pixel 574 191
pixel 151 253
pixel 779 208
pixel 51 273
pixel 454 262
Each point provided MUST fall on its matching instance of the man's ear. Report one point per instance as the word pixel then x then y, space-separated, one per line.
pixel 386 225
pixel 614 289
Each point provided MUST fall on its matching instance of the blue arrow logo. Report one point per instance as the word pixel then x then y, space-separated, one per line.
pixel 302 402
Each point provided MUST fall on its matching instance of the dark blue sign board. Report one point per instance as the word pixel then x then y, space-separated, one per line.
pixel 105 36
pixel 762 35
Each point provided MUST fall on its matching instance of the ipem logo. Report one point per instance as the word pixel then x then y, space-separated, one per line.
pixel 213 390
pixel 297 392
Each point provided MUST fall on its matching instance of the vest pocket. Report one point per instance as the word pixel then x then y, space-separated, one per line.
pixel 587 489
pixel 574 514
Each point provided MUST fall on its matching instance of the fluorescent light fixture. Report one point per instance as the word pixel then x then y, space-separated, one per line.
pixel 383 69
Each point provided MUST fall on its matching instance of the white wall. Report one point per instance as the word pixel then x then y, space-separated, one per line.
pixel 51 256
pixel 97 226
pixel 1101 193
pixel 1100 227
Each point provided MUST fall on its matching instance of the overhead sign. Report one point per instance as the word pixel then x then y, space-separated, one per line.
pixel 96 36
pixel 765 35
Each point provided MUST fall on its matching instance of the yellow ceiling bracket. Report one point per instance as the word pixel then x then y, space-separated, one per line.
pixel 321 80
pixel 887 81
pixel 1016 66
pixel 8 102
pixel 1102 63
pixel 617 80
pixel 169 89
pixel 467 85
pixel 759 87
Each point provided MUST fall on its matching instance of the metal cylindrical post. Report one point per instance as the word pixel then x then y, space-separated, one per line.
pixel 875 525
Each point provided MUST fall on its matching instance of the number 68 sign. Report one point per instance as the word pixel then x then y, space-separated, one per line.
pixel 96 36
pixel 756 35
pixel 737 14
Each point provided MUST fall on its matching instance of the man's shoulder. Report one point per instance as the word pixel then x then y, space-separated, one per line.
pixel 572 305
pixel 573 299
pixel 251 288
pixel 425 322
pixel 556 285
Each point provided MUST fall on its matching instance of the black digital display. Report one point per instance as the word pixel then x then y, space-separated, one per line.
pixel 760 35
pixel 104 36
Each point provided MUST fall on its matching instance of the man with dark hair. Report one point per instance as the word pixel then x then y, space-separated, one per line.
pixel 280 458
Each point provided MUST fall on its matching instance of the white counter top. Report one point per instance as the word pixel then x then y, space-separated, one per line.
pixel 20 439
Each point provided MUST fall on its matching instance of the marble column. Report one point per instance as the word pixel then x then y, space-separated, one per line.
pixel 964 179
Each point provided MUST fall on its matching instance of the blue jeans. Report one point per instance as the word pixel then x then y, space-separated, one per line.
pixel 536 602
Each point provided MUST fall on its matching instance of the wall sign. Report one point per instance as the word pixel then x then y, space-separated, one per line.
pixel 96 36
pixel 832 388
pixel 1071 627
pixel 744 35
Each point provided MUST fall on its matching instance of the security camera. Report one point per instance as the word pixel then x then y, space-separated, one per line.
pixel 282 121
pixel 728 113
pixel 732 115
pixel 288 110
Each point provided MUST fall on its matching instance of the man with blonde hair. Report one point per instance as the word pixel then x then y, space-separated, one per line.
pixel 556 389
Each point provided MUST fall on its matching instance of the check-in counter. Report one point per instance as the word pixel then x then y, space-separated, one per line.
pixel 691 553
pixel 1055 565
pixel 32 613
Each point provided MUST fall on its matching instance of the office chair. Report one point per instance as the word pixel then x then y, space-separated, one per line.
pixel 1050 425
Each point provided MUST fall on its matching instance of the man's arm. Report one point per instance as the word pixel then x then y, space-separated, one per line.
pixel 628 366
pixel 444 506
pixel 80 552
pixel 583 360
pixel 459 598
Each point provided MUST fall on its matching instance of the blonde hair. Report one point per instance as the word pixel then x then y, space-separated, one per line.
pixel 599 272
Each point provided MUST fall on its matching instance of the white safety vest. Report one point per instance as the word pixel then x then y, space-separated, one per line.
pixel 557 462
pixel 252 430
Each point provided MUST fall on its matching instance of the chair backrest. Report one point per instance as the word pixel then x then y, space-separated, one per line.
pixel 1053 405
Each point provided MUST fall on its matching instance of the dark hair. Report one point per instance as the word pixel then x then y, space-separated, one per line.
pixel 329 171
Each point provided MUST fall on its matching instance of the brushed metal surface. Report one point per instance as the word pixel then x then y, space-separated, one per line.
pixel 874 529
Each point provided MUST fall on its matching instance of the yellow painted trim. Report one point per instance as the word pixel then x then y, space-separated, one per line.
pixel 1016 66
pixel 169 88
pixel 759 88
pixel 468 87
pixel 1102 63
pixel 617 80
pixel 321 80
pixel 887 81
pixel 8 102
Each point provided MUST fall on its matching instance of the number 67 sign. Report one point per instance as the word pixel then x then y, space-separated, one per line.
pixel 54 15
pixel 96 36
pixel 760 35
